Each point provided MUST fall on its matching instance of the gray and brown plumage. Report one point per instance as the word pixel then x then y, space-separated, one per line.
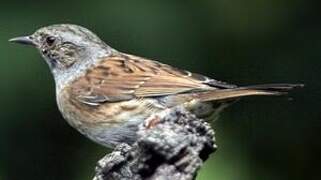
pixel 105 94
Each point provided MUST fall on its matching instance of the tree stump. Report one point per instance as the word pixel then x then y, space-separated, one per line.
pixel 171 145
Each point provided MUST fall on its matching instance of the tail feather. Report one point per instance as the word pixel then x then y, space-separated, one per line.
pixel 256 90
pixel 275 87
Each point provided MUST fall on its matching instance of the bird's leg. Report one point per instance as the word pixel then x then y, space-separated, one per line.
pixel 154 119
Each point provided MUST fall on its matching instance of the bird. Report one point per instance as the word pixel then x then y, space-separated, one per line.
pixel 105 94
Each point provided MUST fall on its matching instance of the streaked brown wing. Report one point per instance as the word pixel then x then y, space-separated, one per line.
pixel 123 77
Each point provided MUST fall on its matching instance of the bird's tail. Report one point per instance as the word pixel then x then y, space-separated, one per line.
pixel 256 90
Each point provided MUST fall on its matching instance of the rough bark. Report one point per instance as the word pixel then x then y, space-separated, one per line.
pixel 171 146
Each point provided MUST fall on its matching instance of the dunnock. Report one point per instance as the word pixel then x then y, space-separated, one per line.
pixel 105 94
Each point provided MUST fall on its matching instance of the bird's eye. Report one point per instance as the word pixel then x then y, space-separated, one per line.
pixel 50 40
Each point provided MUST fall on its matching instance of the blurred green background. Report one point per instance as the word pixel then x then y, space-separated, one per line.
pixel 239 41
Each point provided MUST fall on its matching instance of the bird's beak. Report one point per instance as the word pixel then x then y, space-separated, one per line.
pixel 27 40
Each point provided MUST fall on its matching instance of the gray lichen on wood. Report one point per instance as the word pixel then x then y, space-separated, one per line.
pixel 171 146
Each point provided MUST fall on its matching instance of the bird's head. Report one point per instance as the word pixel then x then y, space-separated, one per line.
pixel 65 45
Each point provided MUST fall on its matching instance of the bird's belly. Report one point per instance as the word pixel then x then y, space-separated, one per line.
pixel 112 135
pixel 110 123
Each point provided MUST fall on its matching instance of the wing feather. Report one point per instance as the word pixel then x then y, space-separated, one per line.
pixel 123 77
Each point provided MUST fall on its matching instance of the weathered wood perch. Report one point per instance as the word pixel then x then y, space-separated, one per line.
pixel 171 146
